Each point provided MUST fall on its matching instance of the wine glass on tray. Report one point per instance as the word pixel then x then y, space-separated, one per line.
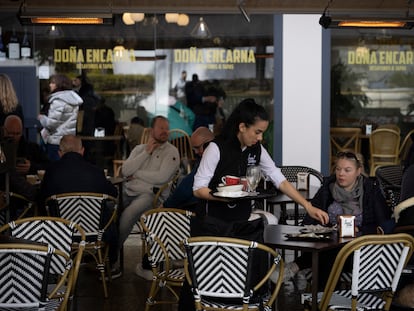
pixel 253 176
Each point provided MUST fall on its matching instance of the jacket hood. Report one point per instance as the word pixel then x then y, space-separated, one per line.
pixel 68 96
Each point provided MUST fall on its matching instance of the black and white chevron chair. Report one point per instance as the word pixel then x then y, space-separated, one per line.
pixel 291 174
pixel 18 207
pixel 378 261
pixel 94 212
pixel 219 271
pixel 165 229
pixel 59 233
pixel 25 269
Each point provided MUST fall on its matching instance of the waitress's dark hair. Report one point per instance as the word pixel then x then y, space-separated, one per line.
pixel 247 112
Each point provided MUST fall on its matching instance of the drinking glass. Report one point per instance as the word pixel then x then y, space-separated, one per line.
pixel 253 176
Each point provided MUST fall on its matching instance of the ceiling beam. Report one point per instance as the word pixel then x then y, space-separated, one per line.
pixel 382 7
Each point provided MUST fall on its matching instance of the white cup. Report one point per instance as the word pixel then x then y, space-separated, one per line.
pixel 41 174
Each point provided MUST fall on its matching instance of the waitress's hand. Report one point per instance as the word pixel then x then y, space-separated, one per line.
pixel 318 214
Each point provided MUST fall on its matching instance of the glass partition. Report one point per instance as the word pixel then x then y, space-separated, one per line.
pixel 372 78
pixel 135 67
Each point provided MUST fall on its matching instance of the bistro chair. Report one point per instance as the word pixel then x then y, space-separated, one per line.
pixel 405 146
pixel 219 271
pixel 95 213
pixel 25 270
pixel 21 206
pixel 166 190
pixel 291 174
pixel 384 147
pixel 59 233
pixel 181 140
pixel 378 261
pixel 390 126
pixel 164 230
pixel 389 178
pixel 160 196
pixel 146 134
pixel 117 167
pixel 344 139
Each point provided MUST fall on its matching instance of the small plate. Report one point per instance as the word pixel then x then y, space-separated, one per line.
pixel 238 194
pixel 317 229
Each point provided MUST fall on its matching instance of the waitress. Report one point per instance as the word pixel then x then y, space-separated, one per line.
pixel 230 154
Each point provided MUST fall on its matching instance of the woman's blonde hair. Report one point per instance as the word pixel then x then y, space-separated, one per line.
pixel 8 98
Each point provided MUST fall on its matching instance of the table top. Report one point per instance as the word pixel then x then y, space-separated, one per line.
pixel 95 138
pixel 275 235
pixel 280 197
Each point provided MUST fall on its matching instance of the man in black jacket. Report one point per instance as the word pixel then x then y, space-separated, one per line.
pixel 72 173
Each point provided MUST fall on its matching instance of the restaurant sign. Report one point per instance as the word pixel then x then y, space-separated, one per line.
pixel 221 59
pixel 381 60
pixel 92 58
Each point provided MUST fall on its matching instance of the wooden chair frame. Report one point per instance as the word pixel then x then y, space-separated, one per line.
pixel 344 139
pixel 405 146
pixel 377 156
pixel 181 140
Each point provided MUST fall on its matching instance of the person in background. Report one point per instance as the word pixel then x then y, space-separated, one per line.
pixel 147 168
pixel 90 100
pixel 348 191
pixel 62 114
pixel 72 173
pixel 135 131
pixel 105 118
pixel 194 91
pixel 180 116
pixel 8 99
pixel 183 197
pixel 30 157
pixel 179 88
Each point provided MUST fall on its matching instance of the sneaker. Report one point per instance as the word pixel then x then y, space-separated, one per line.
pixel 290 271
pixel 143 273
pixel 116 273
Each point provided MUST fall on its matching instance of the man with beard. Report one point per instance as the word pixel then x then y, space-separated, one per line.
pixel 147 168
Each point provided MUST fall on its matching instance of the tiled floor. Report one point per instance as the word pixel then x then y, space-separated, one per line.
pixel 129 292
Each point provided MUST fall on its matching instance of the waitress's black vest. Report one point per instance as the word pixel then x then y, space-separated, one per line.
pixel 233 161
